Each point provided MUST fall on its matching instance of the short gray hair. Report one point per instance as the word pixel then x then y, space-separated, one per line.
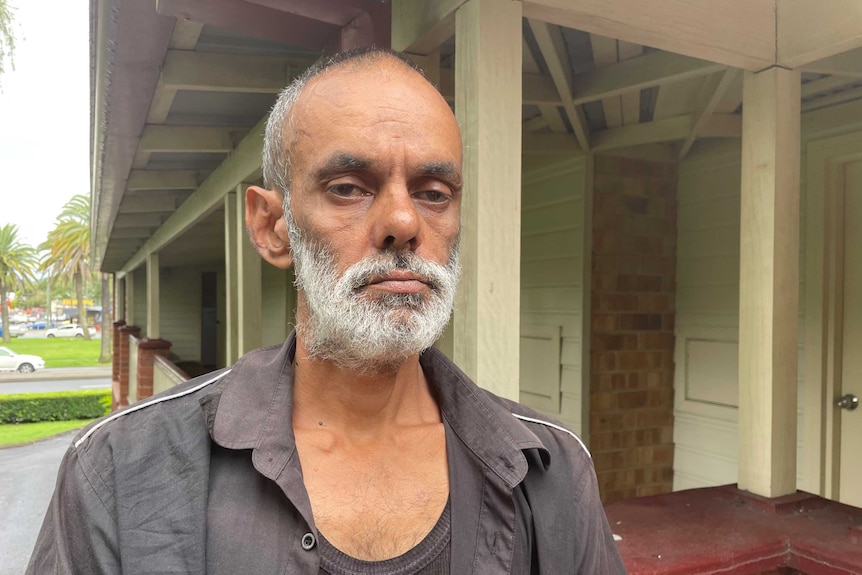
pixel 276 156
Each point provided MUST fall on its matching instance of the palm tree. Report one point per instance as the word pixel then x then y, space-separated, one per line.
pixel 7 37
pixel 17 263
pixel 68 247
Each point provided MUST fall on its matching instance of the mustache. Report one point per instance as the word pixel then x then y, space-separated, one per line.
pixel 360 274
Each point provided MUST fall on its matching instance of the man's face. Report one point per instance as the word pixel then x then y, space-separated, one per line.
pixel 376 160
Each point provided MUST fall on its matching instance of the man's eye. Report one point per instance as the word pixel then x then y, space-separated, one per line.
pixel 346 190
pixel 433 196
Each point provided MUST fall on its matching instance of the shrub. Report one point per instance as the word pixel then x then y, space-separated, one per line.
pixel 54 406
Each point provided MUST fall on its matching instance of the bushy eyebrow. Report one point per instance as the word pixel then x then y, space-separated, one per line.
pixel 447 171
pixel 341 162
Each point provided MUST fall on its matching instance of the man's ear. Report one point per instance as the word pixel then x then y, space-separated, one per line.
pixel 264 219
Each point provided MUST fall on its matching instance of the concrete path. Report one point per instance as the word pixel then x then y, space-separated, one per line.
pixel 47 385
pixel 27 478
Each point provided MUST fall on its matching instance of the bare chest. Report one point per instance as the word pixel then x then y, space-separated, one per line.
pixel 374 505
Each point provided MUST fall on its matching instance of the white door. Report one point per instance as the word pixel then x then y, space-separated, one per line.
pixel 850 474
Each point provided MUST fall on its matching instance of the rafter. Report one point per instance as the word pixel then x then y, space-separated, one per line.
pixel 667 130
pixel 254 20
pixel 631 100
pixel 186 139
pixel 213 72
pixel 825 85
pixel 604 54
pixel 714 89
pixel 240 166
pixel 550 42
pixel 148 205
pixel 832 100
pixel 635 74
pixel 550 113
pixel 162 180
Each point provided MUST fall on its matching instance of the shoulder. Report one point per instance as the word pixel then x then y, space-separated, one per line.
pixel 175 411
pixel 554 434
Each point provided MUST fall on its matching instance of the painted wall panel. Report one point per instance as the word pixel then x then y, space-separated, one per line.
pixel 180 313
pixel 552 284
pixel 278 301
pixel 707 322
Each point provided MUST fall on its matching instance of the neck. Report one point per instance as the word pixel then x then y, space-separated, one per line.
pixel 360 404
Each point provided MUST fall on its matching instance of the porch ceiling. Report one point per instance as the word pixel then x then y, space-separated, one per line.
pixel 177 85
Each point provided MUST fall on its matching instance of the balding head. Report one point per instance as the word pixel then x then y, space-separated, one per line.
pixel 278 136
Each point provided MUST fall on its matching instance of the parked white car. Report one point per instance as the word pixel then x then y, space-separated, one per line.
pixel 71 330
pixel 11 361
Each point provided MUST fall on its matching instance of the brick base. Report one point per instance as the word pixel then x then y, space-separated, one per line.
pixel 123 358
pixel 632 335
pixel 148 349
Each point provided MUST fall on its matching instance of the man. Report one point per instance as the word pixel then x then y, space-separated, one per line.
pixel 355 447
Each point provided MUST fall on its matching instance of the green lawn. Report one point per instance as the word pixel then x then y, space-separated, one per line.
pixel 11 433
pixel 57 352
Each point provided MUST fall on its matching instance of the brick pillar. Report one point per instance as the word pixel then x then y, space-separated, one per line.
pixel 632 335
pixel 147 351
pixel 115 364
pixel 123 354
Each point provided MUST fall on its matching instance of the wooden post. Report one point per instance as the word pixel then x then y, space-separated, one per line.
pixel 488 107
pixel 119 298
pixel 153 296
pixel 769 282
pixel 248 283
pixel 231 274
pixel 130 297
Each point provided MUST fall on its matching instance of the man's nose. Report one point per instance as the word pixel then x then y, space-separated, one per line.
pixel 395 221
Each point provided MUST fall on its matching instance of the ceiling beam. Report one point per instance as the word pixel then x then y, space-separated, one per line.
pixel 809 31
pixel 186 139
pixel 241 166
pixel 550 112
pixel 631 100
pixel 254 20
pixel 549 143
pixel 148 205
pixel 714 89
pixel 536 89
pixel 551 45
pixel 635 74
pixel 696 29
pixel 604 54
pixel 824 85
pixel 335 12
pixel 131 233
pixel 138 221
pixel 848 64
pixel 832 100
pixel 667 130
pixel 421 26
pixel 213 72
pixel 162 180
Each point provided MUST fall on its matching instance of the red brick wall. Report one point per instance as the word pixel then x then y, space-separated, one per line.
pixel 148 349
pixel 632 335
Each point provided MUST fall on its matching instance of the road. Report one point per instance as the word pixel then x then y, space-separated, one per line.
pixel 27 477
pixel 36 386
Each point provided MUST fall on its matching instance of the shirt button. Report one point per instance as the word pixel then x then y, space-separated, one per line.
pixel 308 541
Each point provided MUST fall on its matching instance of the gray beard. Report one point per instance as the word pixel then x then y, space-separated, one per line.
pixel 361 331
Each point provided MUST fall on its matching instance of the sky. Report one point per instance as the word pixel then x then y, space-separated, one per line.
pixel 45 115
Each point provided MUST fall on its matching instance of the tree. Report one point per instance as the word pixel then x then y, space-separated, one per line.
pixel 68 247
pixel 7 38
pixel 17 265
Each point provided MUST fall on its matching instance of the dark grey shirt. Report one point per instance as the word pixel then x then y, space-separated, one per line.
pixel 205 478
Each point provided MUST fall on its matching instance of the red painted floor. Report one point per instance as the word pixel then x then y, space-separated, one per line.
pixel 728 531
